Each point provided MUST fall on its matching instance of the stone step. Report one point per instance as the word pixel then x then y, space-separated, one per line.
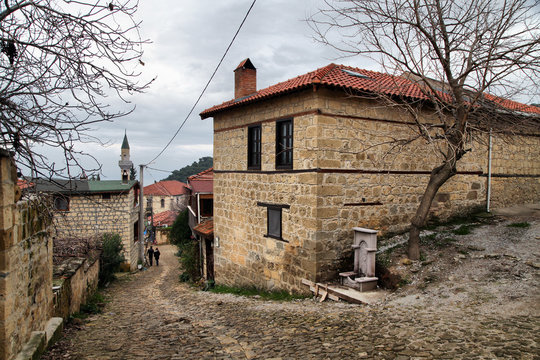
pixel 366 283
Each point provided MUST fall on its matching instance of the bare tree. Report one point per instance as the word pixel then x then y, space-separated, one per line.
pixel 60 61
pixel 460 53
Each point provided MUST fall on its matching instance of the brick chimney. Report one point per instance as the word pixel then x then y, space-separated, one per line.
pixel 245 79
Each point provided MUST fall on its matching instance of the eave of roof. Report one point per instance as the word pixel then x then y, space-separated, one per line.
pixel 205 228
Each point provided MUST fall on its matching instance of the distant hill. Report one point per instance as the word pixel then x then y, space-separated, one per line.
pixel 195 168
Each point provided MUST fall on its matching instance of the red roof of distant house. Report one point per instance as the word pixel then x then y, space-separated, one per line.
pixel 165 218
pixel 352 79
pixel 166 188
pixel 24 184
pixel 206 228
pixel 203 182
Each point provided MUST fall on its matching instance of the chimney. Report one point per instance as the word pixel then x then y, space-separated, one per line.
pixel 245 79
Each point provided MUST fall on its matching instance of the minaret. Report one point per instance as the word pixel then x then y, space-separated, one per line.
pixel 124 163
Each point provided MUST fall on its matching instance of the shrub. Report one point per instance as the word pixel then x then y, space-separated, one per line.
pixel 189 258
pixel 519 225
pixel 111 257
pixel 180 231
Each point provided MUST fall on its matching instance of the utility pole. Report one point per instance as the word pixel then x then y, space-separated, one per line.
pixel 141 214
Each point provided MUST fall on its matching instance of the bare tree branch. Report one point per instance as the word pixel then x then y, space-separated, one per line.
pixel 60 62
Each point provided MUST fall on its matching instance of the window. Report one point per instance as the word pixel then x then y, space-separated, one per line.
pixel 136 231
pixel 274 220
pixel 254 147
pixel 162 203
pixel 106 196
pixel 284 144
pixel 61 203
pixel 207 207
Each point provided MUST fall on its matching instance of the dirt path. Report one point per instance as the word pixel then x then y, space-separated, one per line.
pixel 153 316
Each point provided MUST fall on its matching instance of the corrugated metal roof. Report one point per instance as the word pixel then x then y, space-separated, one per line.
pixel 63 186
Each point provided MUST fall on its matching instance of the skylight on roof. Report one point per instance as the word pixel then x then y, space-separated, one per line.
pixel 354 73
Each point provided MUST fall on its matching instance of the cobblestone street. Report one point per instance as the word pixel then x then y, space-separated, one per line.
pixel 153 316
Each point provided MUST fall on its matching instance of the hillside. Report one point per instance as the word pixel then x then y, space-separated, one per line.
pixel 195 168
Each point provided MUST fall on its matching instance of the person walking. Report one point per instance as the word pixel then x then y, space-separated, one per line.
pixel 151 255
pixel 156 255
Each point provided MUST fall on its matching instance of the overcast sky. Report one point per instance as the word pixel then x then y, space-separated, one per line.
pixel 188 39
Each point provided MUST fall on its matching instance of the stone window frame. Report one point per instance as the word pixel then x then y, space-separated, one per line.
pixel 254 155
pixel 162 203
pixel 274 210
pixel 65 200
pixel 284 154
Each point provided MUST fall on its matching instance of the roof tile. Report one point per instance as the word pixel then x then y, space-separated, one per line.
pixel 334 75
pixel 167 188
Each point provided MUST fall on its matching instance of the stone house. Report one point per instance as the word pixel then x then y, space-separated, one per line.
pixel 85 208
pixel 297 165
pixel 201 212
pixel 166 195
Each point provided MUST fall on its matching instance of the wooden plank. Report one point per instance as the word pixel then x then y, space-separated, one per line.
pixel 312 285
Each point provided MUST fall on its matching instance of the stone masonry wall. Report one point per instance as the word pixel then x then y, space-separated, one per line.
pixel 176 203
pixel 77 282
pixel 25 265
pixel 91 214
pixel 516 170
pixel 346 172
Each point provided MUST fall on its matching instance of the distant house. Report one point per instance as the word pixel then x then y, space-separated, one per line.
pixel 83 208
pixel 201 200
pixel 166 195
pixel 162 222
pixel 297 165
pixel 201 212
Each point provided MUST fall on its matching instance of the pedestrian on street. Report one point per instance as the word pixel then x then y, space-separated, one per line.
pixel 151 255
pixel 156 255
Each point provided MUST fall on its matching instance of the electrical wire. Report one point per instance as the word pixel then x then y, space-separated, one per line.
pixel 206 86
pixel 165 171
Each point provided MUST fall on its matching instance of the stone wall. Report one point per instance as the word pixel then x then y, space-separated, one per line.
pixel 75 280
pixel 162 236
pixel 347 172
pixel 25 265
pixel 175 203
pixel 91 214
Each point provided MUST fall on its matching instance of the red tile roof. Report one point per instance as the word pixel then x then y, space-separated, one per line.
pixel 164 218
pixel 166 188
pixel 24 184
pixel 206 228
pixel 350 78
pixel 203 182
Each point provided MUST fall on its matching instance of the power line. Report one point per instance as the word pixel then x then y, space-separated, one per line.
pixel 165 171
pixel 206 86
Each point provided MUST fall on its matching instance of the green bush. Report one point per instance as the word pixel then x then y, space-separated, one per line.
pixel 189 258
pixel 519 225
pixel 180 231
pixel 111 257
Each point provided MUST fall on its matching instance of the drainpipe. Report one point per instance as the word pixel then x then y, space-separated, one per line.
pixel 198 208
pixel 489 173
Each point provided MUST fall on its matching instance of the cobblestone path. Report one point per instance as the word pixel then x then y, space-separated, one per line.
pixel 153 316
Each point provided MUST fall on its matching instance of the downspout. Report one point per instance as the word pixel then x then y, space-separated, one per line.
pixel 198 208
pixel 489 173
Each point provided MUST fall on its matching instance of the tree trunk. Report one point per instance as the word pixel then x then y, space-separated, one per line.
pixel 437 178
